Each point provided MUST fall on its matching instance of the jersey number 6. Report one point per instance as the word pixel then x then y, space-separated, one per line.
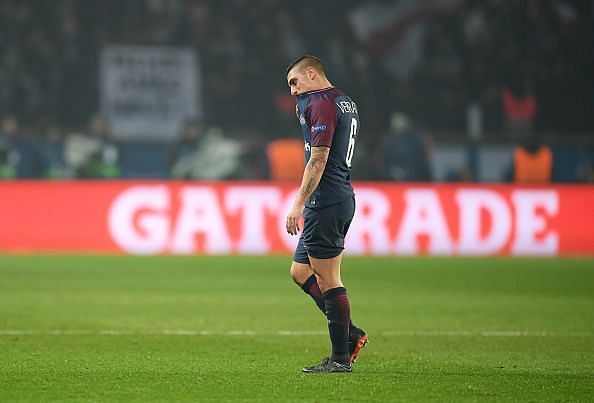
pixel 351 148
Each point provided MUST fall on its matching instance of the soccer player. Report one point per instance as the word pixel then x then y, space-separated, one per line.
pixel 330 124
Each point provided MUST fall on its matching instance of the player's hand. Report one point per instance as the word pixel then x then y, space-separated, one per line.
pixel 292 223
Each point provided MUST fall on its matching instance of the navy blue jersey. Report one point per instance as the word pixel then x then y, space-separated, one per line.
pixel 329 118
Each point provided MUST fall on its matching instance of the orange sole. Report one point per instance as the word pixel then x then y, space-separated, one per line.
pixel 361 343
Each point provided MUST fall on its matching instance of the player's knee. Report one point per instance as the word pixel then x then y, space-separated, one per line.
pixel 295 279
pixel 300 273
pixel 295 275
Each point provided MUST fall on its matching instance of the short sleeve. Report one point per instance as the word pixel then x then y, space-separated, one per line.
pixel 322 122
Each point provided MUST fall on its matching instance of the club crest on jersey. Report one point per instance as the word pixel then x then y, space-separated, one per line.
pixel 318 128
pixel 302 119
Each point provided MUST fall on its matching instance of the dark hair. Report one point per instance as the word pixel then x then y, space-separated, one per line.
pixel 308 61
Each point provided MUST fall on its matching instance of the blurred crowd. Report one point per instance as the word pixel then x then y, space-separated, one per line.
pixel 475 71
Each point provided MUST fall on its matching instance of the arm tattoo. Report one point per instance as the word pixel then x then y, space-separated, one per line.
pixel 315 161
pixel 314 170
pixel 309 186
pixel 319 155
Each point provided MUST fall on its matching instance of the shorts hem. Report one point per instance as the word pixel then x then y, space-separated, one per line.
pixel 326 254
pixel 296 260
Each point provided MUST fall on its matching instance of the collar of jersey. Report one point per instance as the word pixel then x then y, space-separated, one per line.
pixel 305 94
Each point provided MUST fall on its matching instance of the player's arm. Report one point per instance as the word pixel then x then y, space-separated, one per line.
pixel 311 178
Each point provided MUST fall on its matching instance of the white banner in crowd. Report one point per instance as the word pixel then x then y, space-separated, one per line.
pixel 149 92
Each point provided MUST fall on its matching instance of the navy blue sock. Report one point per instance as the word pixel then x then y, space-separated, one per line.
pixel 312 288
pixel 338 312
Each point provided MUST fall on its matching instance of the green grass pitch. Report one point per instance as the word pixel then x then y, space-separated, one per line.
pixel 86 328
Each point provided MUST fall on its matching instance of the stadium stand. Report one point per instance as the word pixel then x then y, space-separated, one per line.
pixel 459 54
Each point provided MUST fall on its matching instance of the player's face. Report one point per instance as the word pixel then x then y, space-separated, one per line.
pixel 299 81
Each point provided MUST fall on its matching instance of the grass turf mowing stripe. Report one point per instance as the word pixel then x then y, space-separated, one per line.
pixel 184 332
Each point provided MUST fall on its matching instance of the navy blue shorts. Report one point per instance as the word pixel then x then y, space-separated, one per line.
pixel 324 231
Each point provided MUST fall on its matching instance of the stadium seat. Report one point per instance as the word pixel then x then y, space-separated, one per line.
pixel 144 160
pixel 285 158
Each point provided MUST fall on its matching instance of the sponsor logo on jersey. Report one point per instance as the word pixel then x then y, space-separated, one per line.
pixel 302 119
pixel 307 147
pixel 318 128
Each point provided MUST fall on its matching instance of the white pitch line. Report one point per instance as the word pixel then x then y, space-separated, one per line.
pixel 289 333
pixel 508 333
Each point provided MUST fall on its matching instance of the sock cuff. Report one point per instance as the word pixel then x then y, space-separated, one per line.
pixel 334 292
pixel 308 283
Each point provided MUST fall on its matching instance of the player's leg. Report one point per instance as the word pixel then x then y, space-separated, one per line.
pixel 337 306
pixel 327 272
pixel 304 277
pixel 336 302
pixel 325 244
pixel 357 337
pixel 338 313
